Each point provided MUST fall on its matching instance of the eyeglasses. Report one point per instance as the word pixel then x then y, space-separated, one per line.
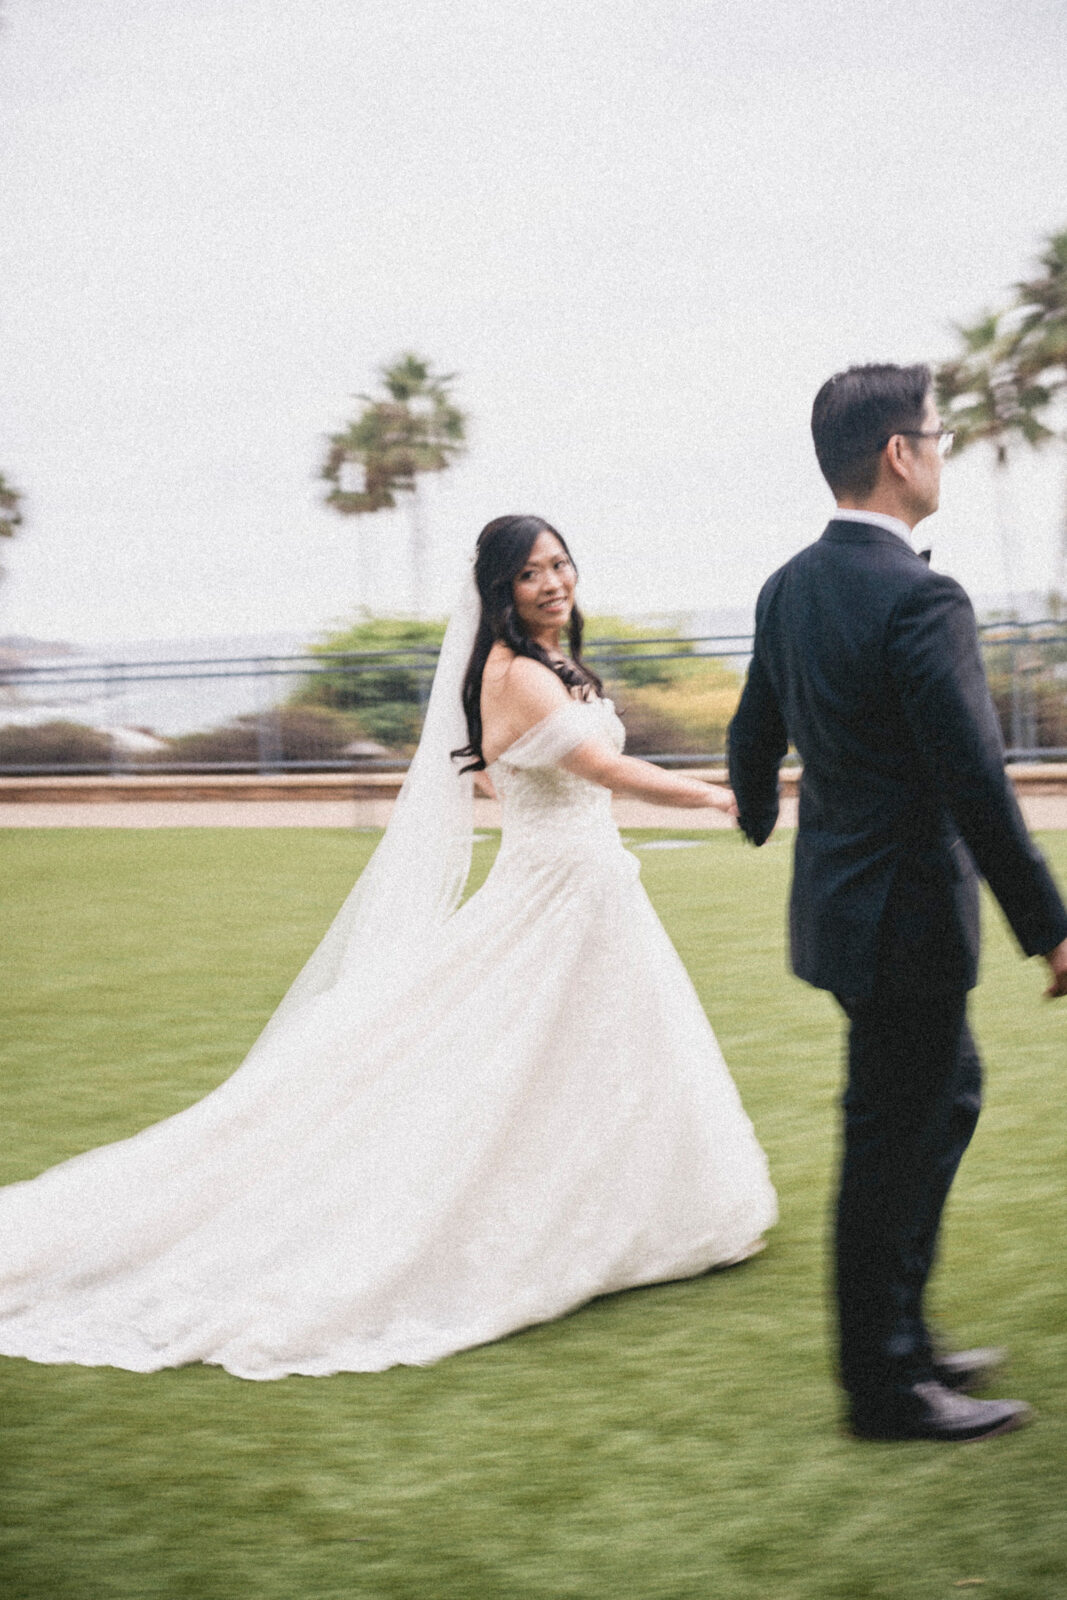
pixel 944 437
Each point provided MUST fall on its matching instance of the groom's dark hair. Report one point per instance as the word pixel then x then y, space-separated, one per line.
pixel 857 412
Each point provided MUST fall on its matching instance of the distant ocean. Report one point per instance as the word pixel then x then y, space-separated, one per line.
pixel 87 688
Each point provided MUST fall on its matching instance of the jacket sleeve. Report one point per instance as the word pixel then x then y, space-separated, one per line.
pixel 934 660
pixel 757 742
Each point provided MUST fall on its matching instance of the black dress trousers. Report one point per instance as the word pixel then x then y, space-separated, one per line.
pixel 911 1102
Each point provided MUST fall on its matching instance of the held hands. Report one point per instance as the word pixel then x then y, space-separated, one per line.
pixel 723 800
pixel 1057 965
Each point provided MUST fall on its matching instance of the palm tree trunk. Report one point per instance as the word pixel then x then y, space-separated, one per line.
pixel 368 566
pixel 420 551
pixel 1004 519
pixel 1061 554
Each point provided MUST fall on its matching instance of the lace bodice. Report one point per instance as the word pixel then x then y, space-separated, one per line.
pixel 544 805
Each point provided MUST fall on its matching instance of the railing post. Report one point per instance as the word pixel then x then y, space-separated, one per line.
pixel 112 691
pixel 1017 741
pixel 268 736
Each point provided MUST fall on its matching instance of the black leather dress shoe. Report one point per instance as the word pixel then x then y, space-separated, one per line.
pixel 932 1411
pixel 967 1369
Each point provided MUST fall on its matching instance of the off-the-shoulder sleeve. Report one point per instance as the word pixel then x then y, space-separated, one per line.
pixel 548 741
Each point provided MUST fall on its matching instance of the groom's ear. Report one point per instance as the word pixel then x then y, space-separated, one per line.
pixel 897 457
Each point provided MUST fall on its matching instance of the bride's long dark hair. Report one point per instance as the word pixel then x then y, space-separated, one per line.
pixel 503 550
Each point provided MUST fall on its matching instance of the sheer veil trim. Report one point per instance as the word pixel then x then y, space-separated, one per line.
pixel 415 878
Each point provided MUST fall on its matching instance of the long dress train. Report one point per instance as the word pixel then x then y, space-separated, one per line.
pixel 532 1112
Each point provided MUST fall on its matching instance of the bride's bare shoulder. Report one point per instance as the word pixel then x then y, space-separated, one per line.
pixel 520 682
pixel 497 662
pixel 517 693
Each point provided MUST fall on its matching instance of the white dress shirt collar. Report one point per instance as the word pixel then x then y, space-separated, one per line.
pixel 877 519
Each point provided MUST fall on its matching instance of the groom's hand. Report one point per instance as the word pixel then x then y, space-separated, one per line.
pixel 1057 965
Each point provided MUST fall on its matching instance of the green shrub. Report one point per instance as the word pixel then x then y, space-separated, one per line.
pixel 292 733
pixel 672 706
pixel 374 677
pixel 1042 709
pixel 649 731
pixel 689 715
pixel 386 681
pixel 636 651
pixel 53 744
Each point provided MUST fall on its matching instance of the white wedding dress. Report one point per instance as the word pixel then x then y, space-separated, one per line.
pixel 528 1110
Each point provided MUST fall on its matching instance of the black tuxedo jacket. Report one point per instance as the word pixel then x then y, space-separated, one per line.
pixel 868 663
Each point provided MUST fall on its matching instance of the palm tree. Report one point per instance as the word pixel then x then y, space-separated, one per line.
pixel 986 397
pixel 10 509
pixel 1043 328
pixel 414 428
pixel 1012 372
pixel 1042 347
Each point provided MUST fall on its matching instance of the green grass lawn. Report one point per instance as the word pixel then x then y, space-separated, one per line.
pixel 674 1442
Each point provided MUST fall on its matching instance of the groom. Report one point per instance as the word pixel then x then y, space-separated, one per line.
pixel 867 662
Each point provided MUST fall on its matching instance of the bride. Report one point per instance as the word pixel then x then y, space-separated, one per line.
pixel 458 1122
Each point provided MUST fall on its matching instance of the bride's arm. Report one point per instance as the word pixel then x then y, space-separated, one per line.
pixel 531 692
pixel 628 775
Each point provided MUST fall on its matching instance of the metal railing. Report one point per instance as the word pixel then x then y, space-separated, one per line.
pixel 1026 664
pixel 105 695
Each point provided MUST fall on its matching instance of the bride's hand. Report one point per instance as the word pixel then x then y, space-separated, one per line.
pixel 723 799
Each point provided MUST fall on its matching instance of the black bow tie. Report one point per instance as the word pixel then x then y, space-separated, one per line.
pixel 924 555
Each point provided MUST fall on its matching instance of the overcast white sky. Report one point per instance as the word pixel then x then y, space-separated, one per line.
pixel 642 231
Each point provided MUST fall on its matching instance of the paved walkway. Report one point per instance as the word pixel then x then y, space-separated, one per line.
pixel 1041 811
pixel 360 800
pixel 293 814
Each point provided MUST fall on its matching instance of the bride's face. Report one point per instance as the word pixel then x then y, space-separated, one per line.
pixel 544 589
